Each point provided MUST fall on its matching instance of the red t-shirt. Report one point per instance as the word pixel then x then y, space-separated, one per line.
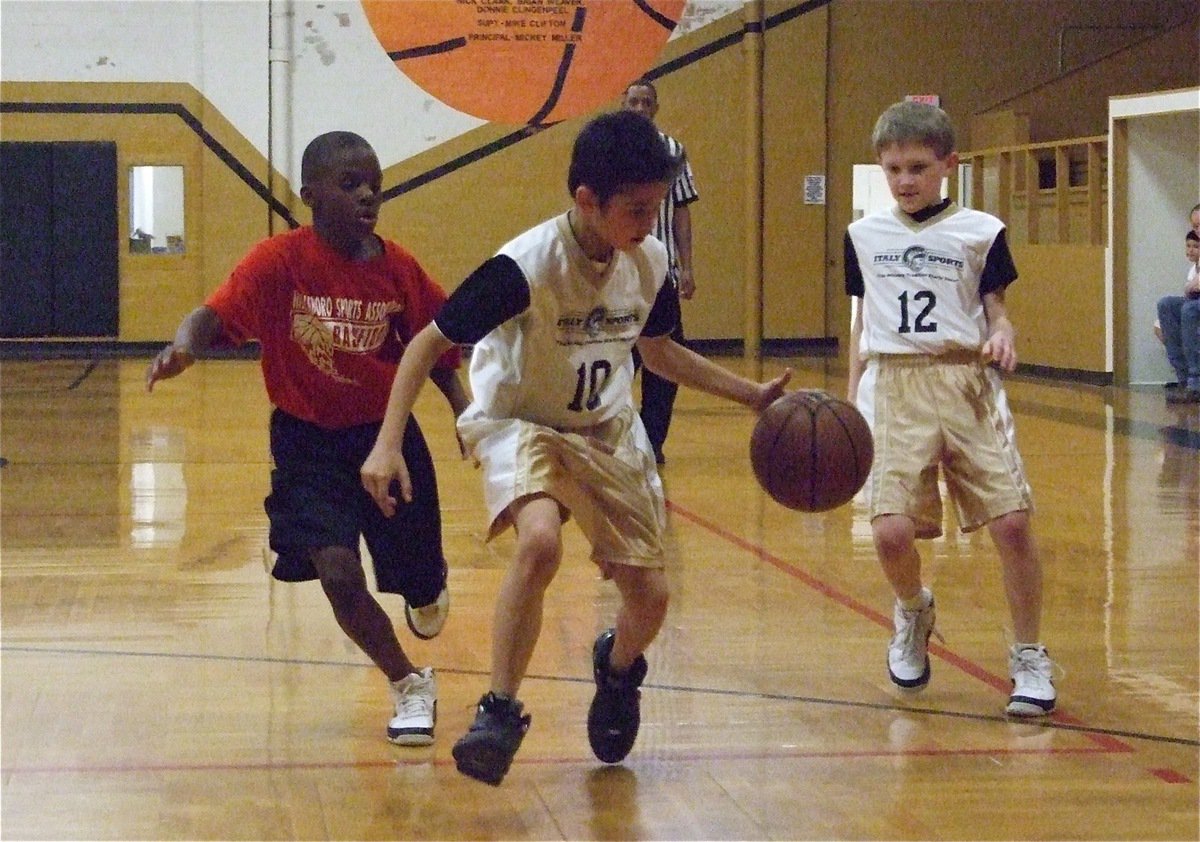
pixel 331 329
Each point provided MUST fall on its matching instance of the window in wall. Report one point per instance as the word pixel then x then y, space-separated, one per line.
pixel 156 210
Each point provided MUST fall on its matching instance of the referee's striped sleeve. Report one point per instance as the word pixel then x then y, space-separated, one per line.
pixel 683 191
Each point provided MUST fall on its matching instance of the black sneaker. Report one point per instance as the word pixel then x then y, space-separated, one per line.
pixel 486 751
pixel 615 714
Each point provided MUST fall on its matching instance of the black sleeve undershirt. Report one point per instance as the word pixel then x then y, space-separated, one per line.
pixel 855 286
pixel 998 270
pixel 498 290
pixel 491 295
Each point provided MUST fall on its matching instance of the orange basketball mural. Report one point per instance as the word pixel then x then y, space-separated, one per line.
pixel 523 61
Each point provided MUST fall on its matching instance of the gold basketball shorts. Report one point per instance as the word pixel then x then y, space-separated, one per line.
pixel 603 476
pixel 941 415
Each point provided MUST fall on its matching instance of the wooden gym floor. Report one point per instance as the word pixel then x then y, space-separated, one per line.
pixel 157 684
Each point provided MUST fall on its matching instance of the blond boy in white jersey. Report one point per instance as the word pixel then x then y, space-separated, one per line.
pixel 554 317
pixel 930 329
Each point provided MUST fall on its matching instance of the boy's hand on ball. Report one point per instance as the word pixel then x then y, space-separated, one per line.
pixel 772 390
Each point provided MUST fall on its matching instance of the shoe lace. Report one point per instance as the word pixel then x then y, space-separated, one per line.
pixel 1033 660
pixel 1028 664
pixel 413 700
pixel 501 712
pixel 1038 663
pixel 906 637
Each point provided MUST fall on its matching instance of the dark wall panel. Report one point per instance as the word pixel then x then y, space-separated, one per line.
pixel 26 248
pixel 59 272
pixel 86 289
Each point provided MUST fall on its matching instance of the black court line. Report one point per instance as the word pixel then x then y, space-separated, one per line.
pixel 1122 425
pixel 943 713
pixel 88 369
pixel 393 761
pixel 1178 436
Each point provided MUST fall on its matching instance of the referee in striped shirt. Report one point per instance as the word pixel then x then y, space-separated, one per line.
pixel 674 228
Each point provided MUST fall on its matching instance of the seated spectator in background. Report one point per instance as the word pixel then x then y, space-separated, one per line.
pixel 1179 327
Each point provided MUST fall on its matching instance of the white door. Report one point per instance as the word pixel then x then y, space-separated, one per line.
pixel 870 191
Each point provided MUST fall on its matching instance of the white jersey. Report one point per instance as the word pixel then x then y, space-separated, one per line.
pixel 566 361
pixel 921 281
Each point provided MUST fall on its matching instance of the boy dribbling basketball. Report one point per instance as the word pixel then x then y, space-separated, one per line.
pixel 553 318
pixel 330 305
pixel 931 279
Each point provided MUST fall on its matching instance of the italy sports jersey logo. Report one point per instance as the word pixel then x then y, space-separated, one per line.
pixel 914 258
pixel 593 322
pixel 917 259
pixel 597 325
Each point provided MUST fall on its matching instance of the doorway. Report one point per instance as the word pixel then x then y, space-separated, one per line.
pixel 58 239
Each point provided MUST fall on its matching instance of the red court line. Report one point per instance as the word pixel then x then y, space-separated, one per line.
pixel 825 589
pixel 1170 776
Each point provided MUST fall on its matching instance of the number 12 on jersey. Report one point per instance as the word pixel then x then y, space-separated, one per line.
pixel 923 322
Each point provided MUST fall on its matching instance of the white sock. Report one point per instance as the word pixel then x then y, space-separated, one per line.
pixel 919 602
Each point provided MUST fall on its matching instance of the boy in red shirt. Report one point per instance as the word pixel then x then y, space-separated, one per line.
pixel 332 305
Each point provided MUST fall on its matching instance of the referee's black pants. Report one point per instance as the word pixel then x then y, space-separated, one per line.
pixel 658 397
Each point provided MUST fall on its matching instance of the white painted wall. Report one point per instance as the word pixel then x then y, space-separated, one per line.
pixel 329 61
pixel 218 47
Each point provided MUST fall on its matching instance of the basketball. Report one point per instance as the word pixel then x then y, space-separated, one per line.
pixel 811 451
pixel 536 62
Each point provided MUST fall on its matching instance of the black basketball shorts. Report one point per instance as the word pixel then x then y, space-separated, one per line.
pixel 317 500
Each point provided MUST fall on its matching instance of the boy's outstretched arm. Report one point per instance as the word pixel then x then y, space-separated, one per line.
pixel 385 462
pixel 199 331
pixel 669 359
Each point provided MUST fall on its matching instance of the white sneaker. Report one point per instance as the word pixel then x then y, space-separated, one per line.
pixel 1033 692
pixel 415 697
pixel 908 653
pixel 426 622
